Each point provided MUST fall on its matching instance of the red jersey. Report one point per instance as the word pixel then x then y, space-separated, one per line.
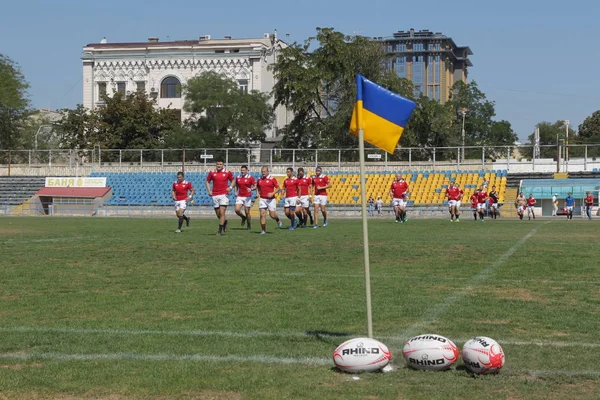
pixel 181 189
pixel 266 185
pixel 454 193
pixel 531 202
pixel 321 180
pixel 220 180
pixel 244 184
pixel 589 200
pixel 398 189
pixel 291 187
pixel 481 197
pixel 303 184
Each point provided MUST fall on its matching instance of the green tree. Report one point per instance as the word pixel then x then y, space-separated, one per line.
pixel 318 86
pixel 551 134
pixel 589 133
pixel 222 114
pixel 14 103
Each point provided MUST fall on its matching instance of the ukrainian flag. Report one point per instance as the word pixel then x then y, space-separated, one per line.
pixel 380 113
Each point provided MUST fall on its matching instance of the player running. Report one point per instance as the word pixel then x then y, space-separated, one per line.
pixel 474 204
pixel 181 192
pixel 482 197
pixel 320 184
pixel 222 184
pixel 290 187
pixel 531 206
pixel 570 205
pixel 454 195
pixel 267 188
pixel 494 198
pixel 589 203
pixel 305 184
pixel 244 185
pixel 397 190
pixel 520 204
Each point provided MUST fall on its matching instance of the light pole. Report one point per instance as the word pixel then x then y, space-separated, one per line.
pixel 463 112
pixel 567 144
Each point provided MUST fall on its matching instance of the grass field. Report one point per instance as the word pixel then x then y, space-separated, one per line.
pixel 125 308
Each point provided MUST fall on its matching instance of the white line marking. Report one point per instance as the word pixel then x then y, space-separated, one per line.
pixel 255 334
pixel 433 313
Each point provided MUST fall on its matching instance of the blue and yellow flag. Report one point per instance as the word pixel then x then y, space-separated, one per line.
pixel 380 113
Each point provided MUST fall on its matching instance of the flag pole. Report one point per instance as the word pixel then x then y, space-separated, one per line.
pixel 363 193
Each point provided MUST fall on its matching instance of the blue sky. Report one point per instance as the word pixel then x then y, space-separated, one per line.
pixel 538 60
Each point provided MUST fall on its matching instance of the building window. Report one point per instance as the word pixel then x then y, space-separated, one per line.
pixel 390 48
pixel 402 47
pixel 170 88
pixel 418 47
pixel 401 67
pixel 140 86
pixel 437 93
pixel 418 76
pixel 101 89
pixel 243 84
pixel 121 87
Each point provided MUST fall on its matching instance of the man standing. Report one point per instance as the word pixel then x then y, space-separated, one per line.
pixel 290 187
pixel 221 186
pixel 555 204
pixel 589 203
pixel 521 203
pixel 181 192
pixel 371 204
pixel 321 184
pixel 482 197
pixel 267 188
pixel 304 186
pixel 570 205
pixel 397 190
pixel 531 206
pixel 379 205
pixel 454 195
pixel 494 198
pixel 474 204
pixel 244 185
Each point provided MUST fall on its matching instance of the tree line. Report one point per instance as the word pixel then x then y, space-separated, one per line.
pixel 314 80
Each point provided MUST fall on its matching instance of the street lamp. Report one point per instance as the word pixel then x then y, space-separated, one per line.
pixel 566 121
pixel 463 112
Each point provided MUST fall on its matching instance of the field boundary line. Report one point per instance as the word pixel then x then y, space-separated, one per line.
pixel 433 313
pixel 257 334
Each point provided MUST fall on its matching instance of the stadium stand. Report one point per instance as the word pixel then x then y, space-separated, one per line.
pixel 544 189
pixel 14 190
pixel 426 188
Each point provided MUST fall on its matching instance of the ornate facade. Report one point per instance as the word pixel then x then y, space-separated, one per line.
pixel 160 68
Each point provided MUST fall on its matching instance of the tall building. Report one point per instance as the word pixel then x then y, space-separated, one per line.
pixel 432 61
pixel 161 68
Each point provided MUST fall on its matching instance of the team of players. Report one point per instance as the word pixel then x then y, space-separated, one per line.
pixel 298 188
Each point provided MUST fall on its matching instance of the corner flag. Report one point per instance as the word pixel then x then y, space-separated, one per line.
pixel 382 114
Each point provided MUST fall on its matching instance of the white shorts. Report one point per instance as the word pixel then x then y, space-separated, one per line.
pixel 322 200
pixel 481 206
pixel 569 208
pixel 530 208
pixel 494 205
pixel 290 202
pixel 398 202
pixel 180 205
pixel 451 203
pixel 220 200
pixel 521 208
pixel 246 201
pixel 304 201
pixel 268 204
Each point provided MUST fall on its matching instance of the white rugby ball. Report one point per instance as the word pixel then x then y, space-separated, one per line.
pixel 361 355
pixel 483 355
pixel 430 352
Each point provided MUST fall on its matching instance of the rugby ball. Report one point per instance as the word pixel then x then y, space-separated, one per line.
pixel 483 355
pixel 361 355
pixel 430 352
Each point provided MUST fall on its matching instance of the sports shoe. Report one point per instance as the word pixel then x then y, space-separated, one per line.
pixel 248 228
pixel 315 227
pixel 397 220
pixel 280 224
pixel 263 232
pixel 457 220
pixel 451 220
pixel 243 221
pixel 325 224
pixel 291 228
pixel 295 224
pixel 225 226
pixel 187 221
pixel 219 234
pixel 405 219
pixel 177 230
